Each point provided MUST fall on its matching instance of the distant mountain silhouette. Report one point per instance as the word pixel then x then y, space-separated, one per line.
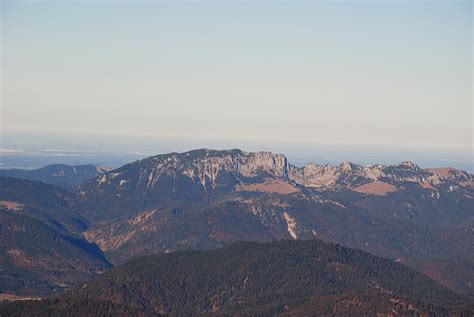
pixel 66 176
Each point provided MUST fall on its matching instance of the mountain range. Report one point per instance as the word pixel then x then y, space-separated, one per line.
pixel 66 176
pixel 203 199
pixel 207 199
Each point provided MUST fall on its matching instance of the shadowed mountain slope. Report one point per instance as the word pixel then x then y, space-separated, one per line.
pixel 41 250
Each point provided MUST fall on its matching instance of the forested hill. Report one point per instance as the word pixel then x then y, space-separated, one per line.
pixel 246 278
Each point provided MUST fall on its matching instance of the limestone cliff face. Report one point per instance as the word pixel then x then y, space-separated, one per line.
pixel 313 175
pixel 206 167
pixel 349 175
pixel 253 163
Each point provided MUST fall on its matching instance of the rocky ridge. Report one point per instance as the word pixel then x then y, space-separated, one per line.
pixel 206 166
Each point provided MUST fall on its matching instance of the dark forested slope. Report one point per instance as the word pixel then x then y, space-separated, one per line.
pixel 285 277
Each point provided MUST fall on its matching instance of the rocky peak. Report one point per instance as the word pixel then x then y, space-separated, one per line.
pixel 347 166
pixel 102 169
pixel 314 175
pixel 274 164
pixel 409 165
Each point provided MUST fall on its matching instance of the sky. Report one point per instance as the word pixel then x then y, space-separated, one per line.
pixel 368 74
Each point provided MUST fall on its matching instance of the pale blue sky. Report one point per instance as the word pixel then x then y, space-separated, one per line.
pixel 393 73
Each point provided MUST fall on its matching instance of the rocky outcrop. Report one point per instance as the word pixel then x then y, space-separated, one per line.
pixel 313 175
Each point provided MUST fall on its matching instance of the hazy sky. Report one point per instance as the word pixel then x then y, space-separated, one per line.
pixel 361 73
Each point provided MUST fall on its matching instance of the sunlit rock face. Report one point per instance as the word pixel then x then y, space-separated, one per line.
pixel 203 171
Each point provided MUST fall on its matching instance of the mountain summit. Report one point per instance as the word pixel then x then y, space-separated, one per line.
pixel 211 169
